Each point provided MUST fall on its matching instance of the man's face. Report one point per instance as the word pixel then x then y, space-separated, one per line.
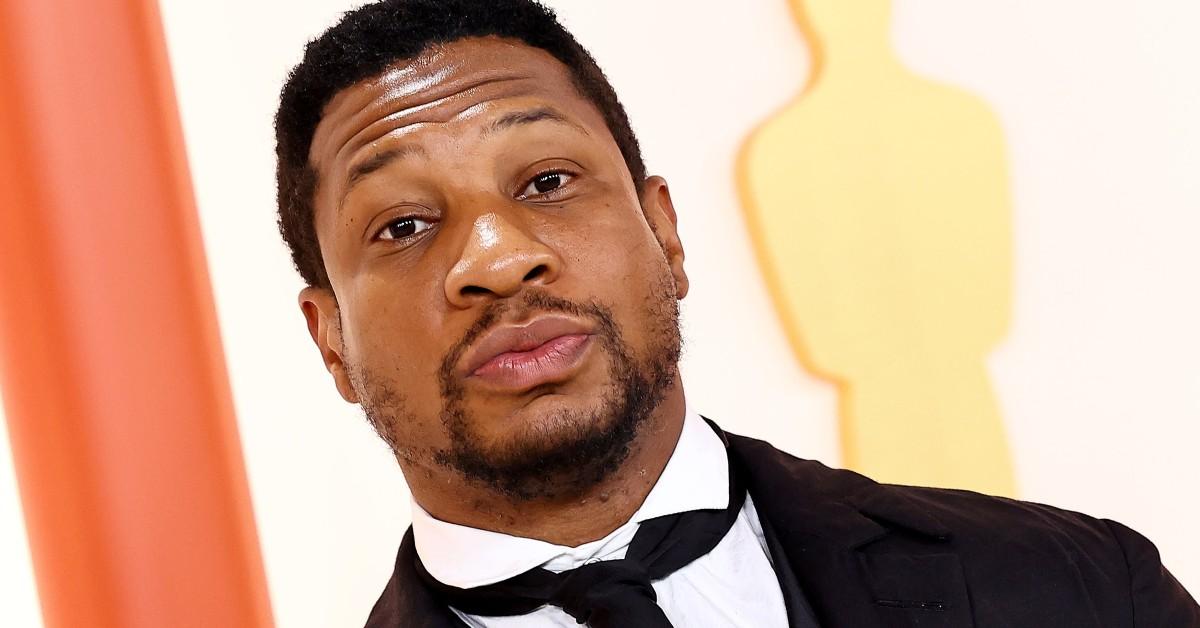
pixel 504 301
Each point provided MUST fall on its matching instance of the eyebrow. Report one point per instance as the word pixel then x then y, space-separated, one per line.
pixel 379 160
pixel 530 116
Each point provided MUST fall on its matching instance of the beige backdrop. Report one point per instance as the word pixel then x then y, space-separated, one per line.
pixel 1098 378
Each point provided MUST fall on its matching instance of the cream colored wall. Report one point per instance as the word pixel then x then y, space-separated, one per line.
pixel 1099 379
pixel 20 606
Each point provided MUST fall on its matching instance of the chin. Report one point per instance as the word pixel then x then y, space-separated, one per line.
pixel 555 446
pixel 547 423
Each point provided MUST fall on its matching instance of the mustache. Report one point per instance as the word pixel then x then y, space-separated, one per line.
pixel 529 301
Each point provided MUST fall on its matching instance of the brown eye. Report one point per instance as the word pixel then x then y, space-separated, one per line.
pixel 546 183
pixel 403 228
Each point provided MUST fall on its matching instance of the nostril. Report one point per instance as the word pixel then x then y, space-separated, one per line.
pixel 536 272
pixel 474 290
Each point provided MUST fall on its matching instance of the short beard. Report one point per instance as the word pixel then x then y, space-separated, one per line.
pixel 583 447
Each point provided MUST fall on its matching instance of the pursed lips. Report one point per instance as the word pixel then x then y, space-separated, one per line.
pixel 543 350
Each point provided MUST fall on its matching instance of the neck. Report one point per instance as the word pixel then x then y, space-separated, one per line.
pixel 580 518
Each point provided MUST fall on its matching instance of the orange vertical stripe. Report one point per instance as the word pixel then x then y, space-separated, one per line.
pixel 118 403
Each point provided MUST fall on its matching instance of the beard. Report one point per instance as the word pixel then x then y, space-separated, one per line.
pixel 570 450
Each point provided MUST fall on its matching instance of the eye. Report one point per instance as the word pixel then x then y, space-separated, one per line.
pixel 546 183
pixel 403 228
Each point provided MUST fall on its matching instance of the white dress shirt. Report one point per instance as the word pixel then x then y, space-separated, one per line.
pixel 733 585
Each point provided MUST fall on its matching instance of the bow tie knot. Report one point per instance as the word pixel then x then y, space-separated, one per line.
pixel 608 593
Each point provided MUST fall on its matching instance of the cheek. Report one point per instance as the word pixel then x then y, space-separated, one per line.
pixel 391 339
pixel 621 264
pixel 616 246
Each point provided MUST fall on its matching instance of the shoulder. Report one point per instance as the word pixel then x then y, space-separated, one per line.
pixel 960 512
pixel 967 517
pixel 1119 568
pixel 1037 528
pixel 1007 548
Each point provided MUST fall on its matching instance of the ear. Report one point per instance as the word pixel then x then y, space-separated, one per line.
pixel 320 309
pixel 660 214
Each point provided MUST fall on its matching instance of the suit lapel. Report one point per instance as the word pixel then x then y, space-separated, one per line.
pixel 864 556
pixel 406 601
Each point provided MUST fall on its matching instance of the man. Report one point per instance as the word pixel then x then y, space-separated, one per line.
pixel 495 279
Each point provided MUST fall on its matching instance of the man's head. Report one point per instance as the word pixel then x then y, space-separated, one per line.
pixel 491 274
pixel 373 38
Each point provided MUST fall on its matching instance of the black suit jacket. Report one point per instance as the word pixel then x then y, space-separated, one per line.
pixel 869 555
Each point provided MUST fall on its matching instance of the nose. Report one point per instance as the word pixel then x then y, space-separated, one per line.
pixel 498 260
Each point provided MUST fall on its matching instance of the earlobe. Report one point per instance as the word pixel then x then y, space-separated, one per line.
pixel 660 214
pixel 322 316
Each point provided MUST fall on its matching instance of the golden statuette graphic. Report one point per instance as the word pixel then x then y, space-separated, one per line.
pixel 879 205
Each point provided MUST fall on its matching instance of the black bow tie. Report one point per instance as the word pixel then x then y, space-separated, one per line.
pixel 610 593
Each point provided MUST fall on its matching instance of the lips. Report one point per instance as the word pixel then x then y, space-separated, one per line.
pixel 544 350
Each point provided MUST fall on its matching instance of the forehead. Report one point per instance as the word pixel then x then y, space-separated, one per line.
pixel 456 83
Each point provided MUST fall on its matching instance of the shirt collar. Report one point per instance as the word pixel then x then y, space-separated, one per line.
pixel 696 477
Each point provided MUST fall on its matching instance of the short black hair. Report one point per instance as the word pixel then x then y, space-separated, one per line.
pixel 370 39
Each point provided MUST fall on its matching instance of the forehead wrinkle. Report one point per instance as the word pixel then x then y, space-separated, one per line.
pixel 441 110
pixel 358 163
pixel 394 105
